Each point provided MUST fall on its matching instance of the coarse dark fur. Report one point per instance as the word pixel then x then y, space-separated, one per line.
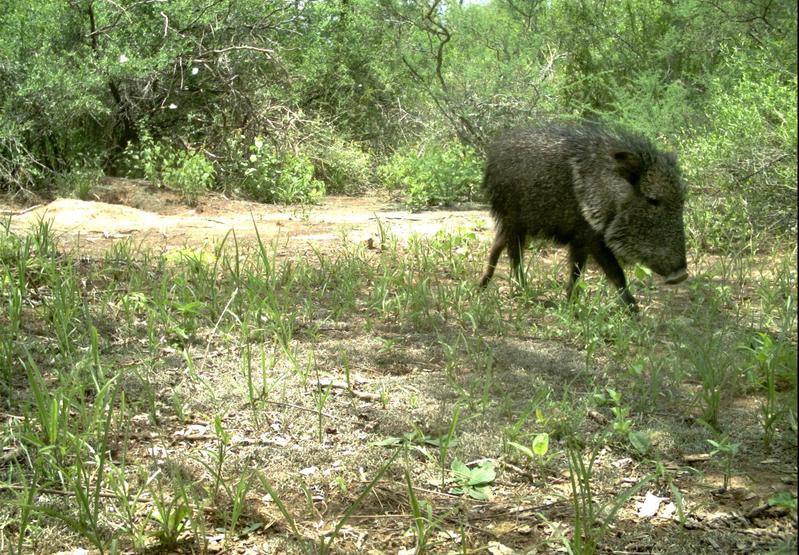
pixel 605 192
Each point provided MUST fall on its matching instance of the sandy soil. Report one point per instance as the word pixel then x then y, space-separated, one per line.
pixel 130 209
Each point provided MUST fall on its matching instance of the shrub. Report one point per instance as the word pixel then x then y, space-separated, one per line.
pixel 344 166
pixel 146 158
pixel 190 172
pixel 742 168
pixel 282 177
pixel 433 175
pixel 79 181
pixel 653 106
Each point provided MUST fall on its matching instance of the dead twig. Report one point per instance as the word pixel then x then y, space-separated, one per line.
pixel 21 212
pixel 329 382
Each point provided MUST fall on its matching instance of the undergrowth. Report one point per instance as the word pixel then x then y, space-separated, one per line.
pixel 102 361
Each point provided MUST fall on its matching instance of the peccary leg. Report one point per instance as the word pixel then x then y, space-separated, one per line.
pixel 578 255
pixel 493 257
pixel 607 261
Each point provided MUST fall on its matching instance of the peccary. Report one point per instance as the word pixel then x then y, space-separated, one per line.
pixel 605 192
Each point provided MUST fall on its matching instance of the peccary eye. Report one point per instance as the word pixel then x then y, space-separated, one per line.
pixel 652 201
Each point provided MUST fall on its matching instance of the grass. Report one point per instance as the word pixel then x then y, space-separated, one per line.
pixel 186 400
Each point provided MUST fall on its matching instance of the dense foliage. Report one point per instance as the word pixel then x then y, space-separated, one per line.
pixel 395 93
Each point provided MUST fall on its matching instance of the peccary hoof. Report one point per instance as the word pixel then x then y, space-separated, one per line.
pixel 629 301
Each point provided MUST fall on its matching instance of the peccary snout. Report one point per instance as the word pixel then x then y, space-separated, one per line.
pixel 677 277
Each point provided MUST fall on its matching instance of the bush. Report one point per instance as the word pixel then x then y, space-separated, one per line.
pixel 187 171
pixel 19 169
pixel 282 177
pixel 191 173
pixel 146 158
pixel 433 175
pixel 742 168
pixel 344 166
pixel 653 106
pixel 79 181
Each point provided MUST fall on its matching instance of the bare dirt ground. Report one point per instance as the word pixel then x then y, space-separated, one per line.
pixel 406 369
pixel 130 209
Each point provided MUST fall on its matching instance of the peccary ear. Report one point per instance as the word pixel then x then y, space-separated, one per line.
pixel 629 166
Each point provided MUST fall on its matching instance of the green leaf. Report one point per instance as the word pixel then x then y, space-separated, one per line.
pixel 460 469
pixel 444 441
pixel 640 441
pixel 782 499
pixel 480 493
pixel 522 449
pixel 678 502
pixel 541 444
pixel 484 473
pixel 641 272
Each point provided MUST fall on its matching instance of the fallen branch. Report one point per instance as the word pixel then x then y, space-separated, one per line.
pixel 21 212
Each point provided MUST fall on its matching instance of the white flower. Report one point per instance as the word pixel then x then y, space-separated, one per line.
pixel 195 70
pixel 173 106
pixel 123 58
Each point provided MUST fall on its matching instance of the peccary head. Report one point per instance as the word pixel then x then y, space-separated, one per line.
pixel 633 195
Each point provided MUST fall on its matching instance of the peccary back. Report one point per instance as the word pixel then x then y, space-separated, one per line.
pixel 605 192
